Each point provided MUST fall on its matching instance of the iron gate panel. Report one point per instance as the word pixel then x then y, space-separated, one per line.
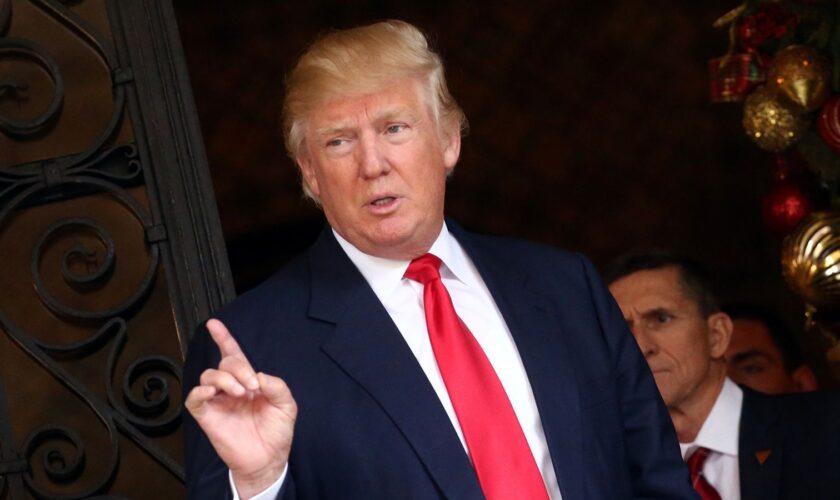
pixel 110 248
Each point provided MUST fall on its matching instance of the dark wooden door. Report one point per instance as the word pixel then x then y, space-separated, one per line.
pixel 110 248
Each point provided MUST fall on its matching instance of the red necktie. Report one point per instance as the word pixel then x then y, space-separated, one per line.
pixel 698 480
pixel 503 462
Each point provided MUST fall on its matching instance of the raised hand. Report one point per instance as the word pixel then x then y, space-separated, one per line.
pixel 249 417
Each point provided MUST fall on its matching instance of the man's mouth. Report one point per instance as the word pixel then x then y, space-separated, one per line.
pixel 381 202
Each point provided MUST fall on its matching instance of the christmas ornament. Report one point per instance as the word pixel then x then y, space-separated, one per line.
pixel 785 206
pixel 828 123
pixel 802 75
pixel 732 78
pixel 811 259
pixel 734 75
pixel 772 21
pixel 770 123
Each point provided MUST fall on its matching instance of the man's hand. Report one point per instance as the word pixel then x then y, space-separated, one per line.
pixel 249 417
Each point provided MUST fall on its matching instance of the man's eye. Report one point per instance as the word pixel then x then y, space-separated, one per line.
pixel 393 129
pixel 752 369
pixel 663 317
pixel 335 142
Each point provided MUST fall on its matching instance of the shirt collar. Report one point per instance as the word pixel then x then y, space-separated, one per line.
pixel 383 275
pixel 720 430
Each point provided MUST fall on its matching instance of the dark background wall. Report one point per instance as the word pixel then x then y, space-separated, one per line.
pixel 591 129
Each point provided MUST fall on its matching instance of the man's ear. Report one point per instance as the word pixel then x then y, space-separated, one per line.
pixel 308 173
pixel 804 378
pixel 451 147
pixel 720 333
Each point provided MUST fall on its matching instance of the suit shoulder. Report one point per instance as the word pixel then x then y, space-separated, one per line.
pixel 804 408
pixel 528 253
pixel 547 267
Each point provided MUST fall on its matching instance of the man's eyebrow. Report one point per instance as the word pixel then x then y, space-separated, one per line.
pixel 656 311
pixel 333 129
pixel 748 356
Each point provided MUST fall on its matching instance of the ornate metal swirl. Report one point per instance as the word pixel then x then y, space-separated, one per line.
pixel 102 46
pixel 61 467
pixel 155 412
pixel 103 269
pixel 15 47
pixel 149 371
pixel 120 76
pixel 57 465
pixel 119 164
pixel 150 412
pixel 84 30
pixel 79 251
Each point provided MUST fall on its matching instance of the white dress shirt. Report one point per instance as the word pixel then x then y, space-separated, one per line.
pixel 403 300
pixel 719 434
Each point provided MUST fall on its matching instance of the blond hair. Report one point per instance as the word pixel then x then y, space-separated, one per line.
pixel 361 60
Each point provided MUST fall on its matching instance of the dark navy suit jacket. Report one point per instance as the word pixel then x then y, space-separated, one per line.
pixel 789 446
pixel 370 425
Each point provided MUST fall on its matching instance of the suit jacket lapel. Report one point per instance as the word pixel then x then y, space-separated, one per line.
pixel 368 346
pixel 760 440
pixel 539 338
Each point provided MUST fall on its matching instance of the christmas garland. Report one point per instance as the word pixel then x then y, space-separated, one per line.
pixel 783 63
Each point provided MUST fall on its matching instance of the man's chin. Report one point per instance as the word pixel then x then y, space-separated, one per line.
pixel 405 239
pixel 664 388
pixel 394 245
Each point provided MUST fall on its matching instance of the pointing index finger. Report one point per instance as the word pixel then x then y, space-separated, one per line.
pixel 222 337
pixel 233 359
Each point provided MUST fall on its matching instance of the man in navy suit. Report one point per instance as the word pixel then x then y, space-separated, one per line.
pixel 739 443
pixel 402 356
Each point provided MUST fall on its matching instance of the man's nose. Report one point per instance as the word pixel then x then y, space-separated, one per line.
pixel 646 344
pixel 372 161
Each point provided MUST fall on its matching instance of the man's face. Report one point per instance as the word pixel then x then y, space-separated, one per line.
pixel 754 360
pixel 378 164
pixel 674 337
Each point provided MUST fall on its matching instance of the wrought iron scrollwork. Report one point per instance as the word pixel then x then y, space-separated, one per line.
pixel 10 86
pixel 149 412
pixel 137 395
pixel 104 267
pixel 146 407
pixel 120 76
pixel 118 164
pixel 79 251
pixel 152 413
pixel 57 465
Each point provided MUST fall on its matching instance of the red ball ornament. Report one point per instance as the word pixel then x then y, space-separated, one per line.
pixel 828 123
pixel 785 206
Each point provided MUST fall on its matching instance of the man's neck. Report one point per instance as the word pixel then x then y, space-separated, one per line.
pixel 688 416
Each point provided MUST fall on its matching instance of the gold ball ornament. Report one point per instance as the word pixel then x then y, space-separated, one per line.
pixel 802 75
pixel 811 260
pixel 772 124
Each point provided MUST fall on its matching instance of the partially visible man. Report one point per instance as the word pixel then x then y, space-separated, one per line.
pixel 763 354
pixel 402 357
pixel 739 444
